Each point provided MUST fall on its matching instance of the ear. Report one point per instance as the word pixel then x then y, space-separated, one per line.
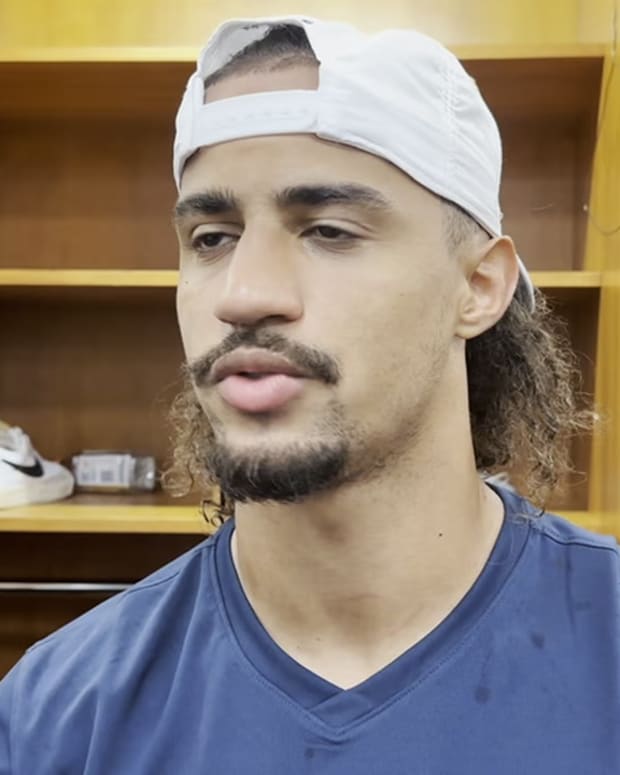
pixel 491 276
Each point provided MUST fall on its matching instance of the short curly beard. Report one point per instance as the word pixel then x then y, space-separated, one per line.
pixel 204 463
pixel 286 476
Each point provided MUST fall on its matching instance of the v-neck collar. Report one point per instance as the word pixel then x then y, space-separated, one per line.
pixel 337 707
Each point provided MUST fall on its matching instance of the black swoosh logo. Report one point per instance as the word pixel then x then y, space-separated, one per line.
pixel 35 470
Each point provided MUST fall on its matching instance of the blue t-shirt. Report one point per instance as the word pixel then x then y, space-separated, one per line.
pixel 176 676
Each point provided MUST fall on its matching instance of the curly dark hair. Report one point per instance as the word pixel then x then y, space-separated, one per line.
pixel 525 400
pixel 524 385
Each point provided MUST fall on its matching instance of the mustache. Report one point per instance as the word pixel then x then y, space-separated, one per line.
pixel 311 361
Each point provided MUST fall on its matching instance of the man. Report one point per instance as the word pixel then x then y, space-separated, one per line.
pixel 363 347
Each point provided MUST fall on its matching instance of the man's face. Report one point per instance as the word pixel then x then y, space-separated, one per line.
pixel 334 259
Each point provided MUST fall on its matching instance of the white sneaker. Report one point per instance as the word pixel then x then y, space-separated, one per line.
pixel 25 477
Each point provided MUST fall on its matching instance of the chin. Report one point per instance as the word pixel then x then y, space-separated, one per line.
pixel 284 473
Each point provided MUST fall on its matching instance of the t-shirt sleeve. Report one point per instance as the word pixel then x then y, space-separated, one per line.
pixel 7 691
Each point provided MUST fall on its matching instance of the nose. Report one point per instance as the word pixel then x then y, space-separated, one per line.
pixel 261 280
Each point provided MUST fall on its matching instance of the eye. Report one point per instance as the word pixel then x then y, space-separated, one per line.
pixel 332 233
pixel 211 240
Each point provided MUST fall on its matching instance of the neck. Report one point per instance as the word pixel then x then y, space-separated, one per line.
pixel 366 571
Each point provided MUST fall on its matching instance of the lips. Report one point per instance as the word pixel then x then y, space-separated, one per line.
pixel 257 381
pixel 254 363
pixel 265 394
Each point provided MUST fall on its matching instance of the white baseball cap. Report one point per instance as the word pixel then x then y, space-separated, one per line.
pixel 397 94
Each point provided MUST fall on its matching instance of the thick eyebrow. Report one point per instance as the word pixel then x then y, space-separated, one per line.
pixel 215 201
pixel 323 195
pixel 221 201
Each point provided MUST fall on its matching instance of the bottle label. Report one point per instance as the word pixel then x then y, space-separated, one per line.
pixel 110 470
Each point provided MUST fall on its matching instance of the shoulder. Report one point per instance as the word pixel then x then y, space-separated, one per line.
pixel 126 626
pixel 557 546
pixel 586 563
pixel 550 527
pixel 119 654
pixel 563 532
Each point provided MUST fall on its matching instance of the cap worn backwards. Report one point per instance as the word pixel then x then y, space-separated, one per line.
pixel 398 94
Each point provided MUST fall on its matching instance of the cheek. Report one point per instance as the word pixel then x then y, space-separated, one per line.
pixel 392 336
pixel 391 309
pixel 193 315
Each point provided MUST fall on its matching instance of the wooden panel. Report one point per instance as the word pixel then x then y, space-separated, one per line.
pixel 565 89
pixel 90 374
pixel 118 398
pixel 605 491
pixel 604 246
pixel 99 159
pixel 48 557
pixel 546 111
pixel 85 193
pixel 189 22
pixel 57 90
pixel 26 619
pixel 562 87
pixel 104 194
pixel 83 557
pixel 543 193
pixel 579 308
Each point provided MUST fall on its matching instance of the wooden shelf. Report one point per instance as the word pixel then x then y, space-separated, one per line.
pixel 565 84
pixel 104 54
pixel 88 264
pixel 566 279
pixel 93 354
pixel 68 517
pixel 90 278
pixel 167 278
pixel 68 123
pixel 516 51
pixel 189 54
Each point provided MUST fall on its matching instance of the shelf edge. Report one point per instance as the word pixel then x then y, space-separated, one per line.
pixel 100 54
pixel 90 278
pixel 68 518
pixel 189 54
pixel 49 518
pixel 560 279
pixel 168 278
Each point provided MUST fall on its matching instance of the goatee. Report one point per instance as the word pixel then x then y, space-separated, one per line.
pixel 283 476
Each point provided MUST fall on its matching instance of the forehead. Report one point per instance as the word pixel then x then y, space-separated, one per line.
pixel 258 167
pixel 263 164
